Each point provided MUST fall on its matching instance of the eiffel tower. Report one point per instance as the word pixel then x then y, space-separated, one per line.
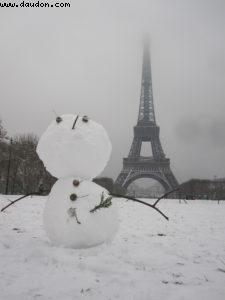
pixel 156 166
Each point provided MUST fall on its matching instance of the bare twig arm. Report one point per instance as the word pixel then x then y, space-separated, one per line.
pixel 20 198
pixel 165 195
pixel 113 195
pixel 141 202
pixel 11 203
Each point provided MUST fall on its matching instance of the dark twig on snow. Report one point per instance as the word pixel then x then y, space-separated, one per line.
pixel 39 193
pixel 142 202
pixel 75 122
pixel 221 270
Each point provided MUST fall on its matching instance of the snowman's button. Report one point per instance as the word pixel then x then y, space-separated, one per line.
pixel 76 182
pixel 58 119
pixel 73 197
pixel 85 119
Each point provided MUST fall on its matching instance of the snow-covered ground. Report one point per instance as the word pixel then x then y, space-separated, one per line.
pixel 149 258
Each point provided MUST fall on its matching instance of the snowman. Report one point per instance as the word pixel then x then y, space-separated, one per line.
pixel 78 213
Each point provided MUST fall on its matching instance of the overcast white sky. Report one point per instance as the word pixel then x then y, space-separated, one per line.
pixel 87 59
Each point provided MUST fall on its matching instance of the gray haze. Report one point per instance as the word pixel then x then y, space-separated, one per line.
pixel 87 59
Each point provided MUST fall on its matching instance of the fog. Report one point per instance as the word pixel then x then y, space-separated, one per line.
pixel 87 59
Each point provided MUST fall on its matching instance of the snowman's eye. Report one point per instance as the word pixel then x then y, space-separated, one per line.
pixel 58 119
pixel 85 119
pixel 76 182
pixel 73 197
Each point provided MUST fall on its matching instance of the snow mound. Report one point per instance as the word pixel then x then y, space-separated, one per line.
pixel 74 145
pixel 67 217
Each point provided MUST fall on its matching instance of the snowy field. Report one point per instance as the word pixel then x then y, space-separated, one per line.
pixel 149 258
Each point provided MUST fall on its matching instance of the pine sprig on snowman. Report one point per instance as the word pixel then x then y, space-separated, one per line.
pixel 104 203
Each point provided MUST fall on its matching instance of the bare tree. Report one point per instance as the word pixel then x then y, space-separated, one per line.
pixel 3 132
pixel 3 155
pixel 28 171
pixel 25 172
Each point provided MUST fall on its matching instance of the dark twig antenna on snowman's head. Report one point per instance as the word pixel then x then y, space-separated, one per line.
pixel 75 122
pixel 58 118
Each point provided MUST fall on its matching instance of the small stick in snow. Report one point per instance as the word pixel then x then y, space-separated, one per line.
pixel 75 122
pixel 221 270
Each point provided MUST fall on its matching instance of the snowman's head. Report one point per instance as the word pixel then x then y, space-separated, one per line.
pixel 74 145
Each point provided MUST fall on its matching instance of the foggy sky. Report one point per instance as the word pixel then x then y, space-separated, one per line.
pixel 87 60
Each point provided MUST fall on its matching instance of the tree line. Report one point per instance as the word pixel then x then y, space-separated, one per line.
pixel 21 170
pixel 203 189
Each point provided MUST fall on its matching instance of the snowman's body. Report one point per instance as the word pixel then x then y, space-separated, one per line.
pixel 71 223
pixel 76 150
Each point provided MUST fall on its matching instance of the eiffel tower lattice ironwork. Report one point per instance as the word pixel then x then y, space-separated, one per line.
pixel 156 166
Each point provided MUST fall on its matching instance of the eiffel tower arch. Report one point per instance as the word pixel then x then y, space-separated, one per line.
pixel 156 166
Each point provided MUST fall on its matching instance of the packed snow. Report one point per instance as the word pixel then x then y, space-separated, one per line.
pixel 149 258
pixel 74 145
pixel 70 217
